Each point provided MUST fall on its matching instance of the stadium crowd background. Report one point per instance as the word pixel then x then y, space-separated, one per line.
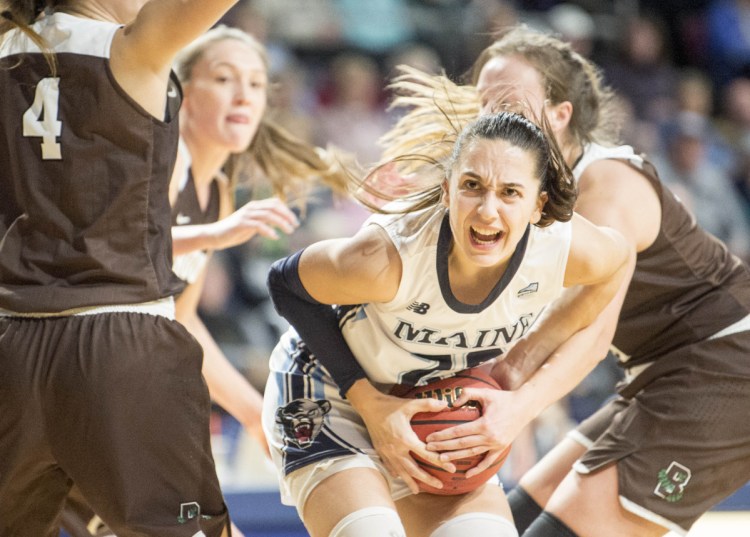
pixel 682 68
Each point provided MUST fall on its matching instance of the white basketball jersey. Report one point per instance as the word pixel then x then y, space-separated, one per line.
pixel 425 333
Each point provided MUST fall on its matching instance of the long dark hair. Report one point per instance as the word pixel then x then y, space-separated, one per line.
pixel 555 176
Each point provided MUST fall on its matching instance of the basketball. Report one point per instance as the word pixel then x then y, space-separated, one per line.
pixel 425 423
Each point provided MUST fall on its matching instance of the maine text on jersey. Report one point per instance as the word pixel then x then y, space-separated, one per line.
pixel 486 338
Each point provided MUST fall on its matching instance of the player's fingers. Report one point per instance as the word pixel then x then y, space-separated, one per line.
pixel 425 405
pixel 265 230
pixel 457 432
pixel 433 458
pixel 471 394
pixel 389 467
pixel 401 471
pixel 286 214
pixel 411 483
pixel 485 463
pixel 269 218
pixel 281 208
pixel 415 472
pixel 463 452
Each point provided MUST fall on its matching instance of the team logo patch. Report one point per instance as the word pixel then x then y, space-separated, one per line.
pixel 302 420
pixel 672 482
pixel 529 289
pixel 188 511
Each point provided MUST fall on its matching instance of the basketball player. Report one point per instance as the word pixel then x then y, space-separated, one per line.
pixel 100 386
pixel 446 283
pixel 676 440
pixel 224 124
pixel 224 74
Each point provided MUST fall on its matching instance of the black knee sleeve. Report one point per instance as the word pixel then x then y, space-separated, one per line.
pixel 548 525
pixel 524 508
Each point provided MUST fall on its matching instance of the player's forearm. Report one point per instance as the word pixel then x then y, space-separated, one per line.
pixel 571 361
pixel 577 309
pixel 363 395
pixel 230 389
pixel 186 239
pixel 564 369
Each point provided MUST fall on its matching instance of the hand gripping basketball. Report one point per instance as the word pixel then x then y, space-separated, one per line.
pixel 425 423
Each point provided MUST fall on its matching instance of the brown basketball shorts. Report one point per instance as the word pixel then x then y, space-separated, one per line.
pixel 116 403
pixel 679 432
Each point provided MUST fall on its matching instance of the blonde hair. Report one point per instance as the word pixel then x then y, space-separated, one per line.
pixel 291 165
pixel 416 149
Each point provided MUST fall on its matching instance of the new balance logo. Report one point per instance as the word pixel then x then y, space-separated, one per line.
pixel 418 307
pixel 529 289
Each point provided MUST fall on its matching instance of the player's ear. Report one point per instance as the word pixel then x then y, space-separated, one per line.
pixel 541 201
pixel 559 115
pixel 445 197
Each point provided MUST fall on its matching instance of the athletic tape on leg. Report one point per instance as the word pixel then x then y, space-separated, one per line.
pixel 370 522
pixel 476 524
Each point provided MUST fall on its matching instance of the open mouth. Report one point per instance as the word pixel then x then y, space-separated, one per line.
pixel 303 432
pixel 485 236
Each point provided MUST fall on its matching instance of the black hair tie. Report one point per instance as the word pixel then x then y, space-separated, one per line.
pixel 7 15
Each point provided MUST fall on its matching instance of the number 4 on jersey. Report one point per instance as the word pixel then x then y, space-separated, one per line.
pixel 41 118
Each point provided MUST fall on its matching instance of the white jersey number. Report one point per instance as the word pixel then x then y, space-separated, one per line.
pixel 41 118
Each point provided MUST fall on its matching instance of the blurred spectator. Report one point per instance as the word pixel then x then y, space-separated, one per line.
pixel 735 125
pixel 728 27
pixel 302 24
pixel 246 16
pixel 354 118
pixel 482 21
pixel 441 25
pixel 643 135
pixel 695 94
pixel 375 27
pixel 293 99
pixel 704 187
pixel 686 27
pixel 417 55
pixel 642 71
pixel 574 25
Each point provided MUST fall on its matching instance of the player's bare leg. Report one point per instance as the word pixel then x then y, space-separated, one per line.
pixel 342 494
pixel 589 505
pixel 423 513
pixel 545 476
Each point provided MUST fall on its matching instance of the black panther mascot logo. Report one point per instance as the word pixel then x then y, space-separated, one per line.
pixel 302 420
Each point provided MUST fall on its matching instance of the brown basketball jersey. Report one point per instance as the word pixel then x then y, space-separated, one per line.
pixel 187 211
pixel 686 287
pixel 84 173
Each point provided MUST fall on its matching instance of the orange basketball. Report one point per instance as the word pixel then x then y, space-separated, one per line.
pixel 425 423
